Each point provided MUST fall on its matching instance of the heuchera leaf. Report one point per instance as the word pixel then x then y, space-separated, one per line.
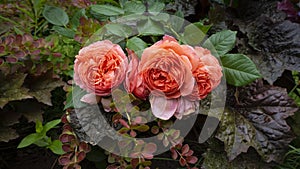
pixel 7 134
pixel 11 88
pixel 41 87
pixel 257 119
pixel 239 70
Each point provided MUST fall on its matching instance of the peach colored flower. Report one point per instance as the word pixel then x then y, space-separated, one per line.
pixel 166 70
pixel 100 67
pixel 133 81
pixel 207 73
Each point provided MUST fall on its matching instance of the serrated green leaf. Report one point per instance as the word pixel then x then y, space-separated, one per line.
pixel 137 45
pixel 64 31
pixel 134 7
pixel 150 27
pixel 220 43
pixel 56 147
pixel 50 125
pixel 239 70
pixel 192 35
pixel 106 10
pixel 120 30
pixel 156 7
pixel 55 15
pixel 30 139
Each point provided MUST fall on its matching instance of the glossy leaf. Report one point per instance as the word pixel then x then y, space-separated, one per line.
pixel 64 31
pixel 55 15
pixel 120 30
pixel 150 27
pixel 239 70
pixel 221 43
pixel 38 126
pixel 50 125
pixel 137 45
pixel 134 7
pixel 107 10
pixel 56 147
pixel 156 7
pixel 192 35
pixel 30 139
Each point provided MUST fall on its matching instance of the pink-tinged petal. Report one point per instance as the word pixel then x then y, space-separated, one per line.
pixel 169 38
pixel 163 108
pixel 106 101
pixel 186 107
pixel 90 98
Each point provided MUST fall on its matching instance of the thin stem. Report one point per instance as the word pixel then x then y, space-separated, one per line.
pixel 165 159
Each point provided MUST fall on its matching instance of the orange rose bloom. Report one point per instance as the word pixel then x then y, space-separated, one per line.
pixel 100 67
pixel 207 73
pixel 166 70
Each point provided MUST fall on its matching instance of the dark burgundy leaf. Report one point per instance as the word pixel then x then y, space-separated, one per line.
pixel 257 119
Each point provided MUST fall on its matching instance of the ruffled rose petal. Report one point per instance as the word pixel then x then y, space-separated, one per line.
pixel 163 108
pixel 90 98
pixel 185 107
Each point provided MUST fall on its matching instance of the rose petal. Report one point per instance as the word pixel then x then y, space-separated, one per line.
pixel 185 107
pixel 90 98
pixel 163 108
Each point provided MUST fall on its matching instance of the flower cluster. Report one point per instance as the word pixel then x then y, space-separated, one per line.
pixel 172 76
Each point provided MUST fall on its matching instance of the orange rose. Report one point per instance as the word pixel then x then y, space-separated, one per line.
pixel 166 70
pixel 207 73
pixel 100 67
pixel 133 81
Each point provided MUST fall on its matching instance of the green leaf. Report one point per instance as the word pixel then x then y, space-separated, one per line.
pixel 150 27
pixel 50 125
pixel 221 43
pixel 137 45
pixel 134 7
pixel 106 10
pixel 156 7
pixel 141 128
pixel 55 15
pixel 193 35
pixel 38 126
pixel 30 139
pixel 202 27
pixel 120 30
pixel 11 88
pixel 176 23
pixel 56 147
pixel 73 98
pixel 64 31
pixel 75 21
pixel 239 69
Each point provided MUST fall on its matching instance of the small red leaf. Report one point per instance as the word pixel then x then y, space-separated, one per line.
pixel 124 123
pixel 185 149
pixel 80 156
pixel 67 148
pixel 192 159
pixel 83 146
pixel 150 148
pixel 132 133
pixel 182 161
pixel 64 160
pixel 174 154
pixel 155 130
